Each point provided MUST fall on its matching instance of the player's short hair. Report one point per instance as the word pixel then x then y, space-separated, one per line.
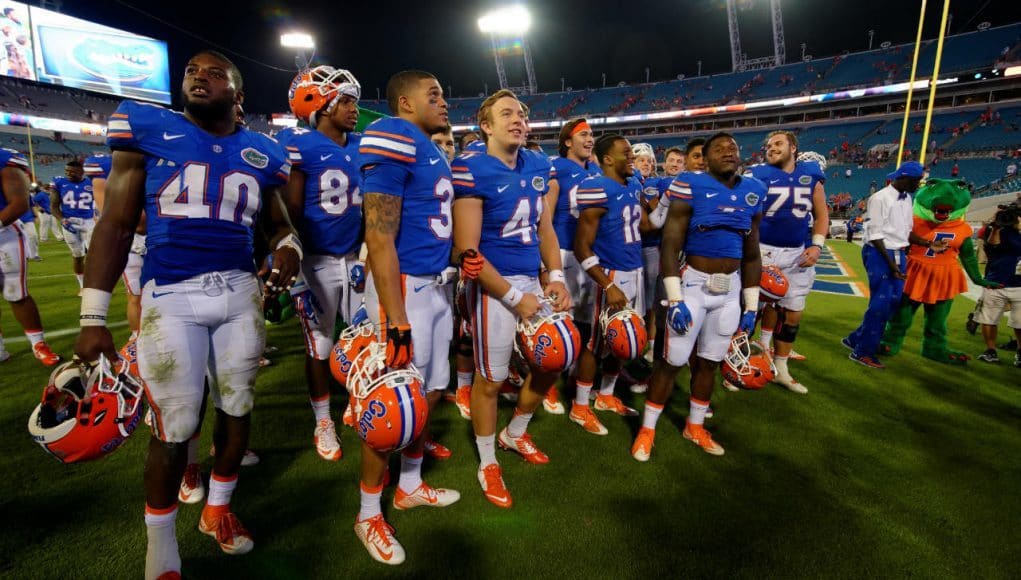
pixel 461 141
pixel 791 137
pixel 73 163
pixel 715 137
pixel 692 143
pixel 399 85
pixel 232 69
pixel 447 130
pixel 565 134
pixel 604 143
pixel 487 107
pixel 675 149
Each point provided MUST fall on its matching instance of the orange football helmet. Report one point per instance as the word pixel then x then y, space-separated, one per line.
pixel 317 89
pixel 773 285
pixel 550 343
pixel 390 405
pixel 624 333
pixel 352 341
pixel 129 353
pixel 746 366
pixel 87 411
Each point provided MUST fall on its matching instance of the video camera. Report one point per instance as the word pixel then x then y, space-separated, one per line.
pixel 1007 215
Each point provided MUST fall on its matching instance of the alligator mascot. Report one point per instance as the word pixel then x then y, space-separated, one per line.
pixel 940 237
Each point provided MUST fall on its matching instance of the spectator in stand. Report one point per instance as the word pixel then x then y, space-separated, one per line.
pixel 1011 169
pixel 955 170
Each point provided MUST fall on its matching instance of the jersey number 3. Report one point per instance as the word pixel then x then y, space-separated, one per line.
pixel 184 196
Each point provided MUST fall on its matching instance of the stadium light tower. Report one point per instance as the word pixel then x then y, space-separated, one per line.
pixel 304 46
pixel 739 60
pixel 507 28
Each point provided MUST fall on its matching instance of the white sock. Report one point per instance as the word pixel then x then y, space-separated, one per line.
pixel 161 553
pixel 581 397
pixel 411 473
pixel 370 503
pixel 781 366
pixel 464 378
pixel 697 409
pixel 651 415
pixel 518 424
pixel 34 336
pixel 193 449
pixel 765 336
pixel 606 386
pixel 487 449
pixel 81 280
pixel 321 408
pixel 134 335
pixel 220 489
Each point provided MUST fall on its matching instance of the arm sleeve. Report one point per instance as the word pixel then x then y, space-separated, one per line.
pixel 464 181
pixel 125 127
pixel 591 194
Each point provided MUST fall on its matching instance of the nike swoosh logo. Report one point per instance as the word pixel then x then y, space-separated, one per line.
pixel 692 285
pixel 501 189
pixel 499 498
pixel 433 161
pixel 622 282
pixel 420 288
pixel 621 196
pixel 325 157
pixel 155 295
pixel 774 181
pixel 169 137
pixel 573 175
pixel 319 268
pixel 708 195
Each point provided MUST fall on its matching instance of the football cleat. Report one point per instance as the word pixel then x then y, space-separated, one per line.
pixel 866 360
pixel 437 451
pixel 192 489
pixel 698 435
pixel 463 400
pixel 326 442
pixel 42 351
pixel 791 384
pixel 352 341
pixel 523 446
pixel 316 91
pixel 613 403
pixel 641 450
pixel 583 415
pixel 623 333
pixel 773 284
pixel 378 538
pixel 349 414
pixel 551 402
pixel 550 343
pixel 746 365
pixel 425 495
pixel 491 479
pixel 390 405
pixel 87 411
pixel 232 537
pixel 796 356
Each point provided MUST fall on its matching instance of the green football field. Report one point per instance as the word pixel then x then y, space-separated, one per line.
pixel 909 471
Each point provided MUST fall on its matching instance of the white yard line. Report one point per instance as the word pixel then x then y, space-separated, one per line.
pixel 61 332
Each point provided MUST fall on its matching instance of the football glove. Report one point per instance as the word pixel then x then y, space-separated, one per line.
pixel 358 277
pixel 747 324
pixel 307 306
pixel 360 315
pixel 398 346
pixel 471 264
pixel 69 225
pixel 679 317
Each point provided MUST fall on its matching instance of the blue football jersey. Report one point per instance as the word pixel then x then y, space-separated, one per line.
pixel 11 158
pixel 478 146
pixel 569 176
pixel 512 201
pixel 720 215
pixel 788 204
pixel 332 224
pixel 42 201
pixel 652 188
pixel 203 193
pixel 97 166
pixel 618 241
pixel 398 159
pixel 76 198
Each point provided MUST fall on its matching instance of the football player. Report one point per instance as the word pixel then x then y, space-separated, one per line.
pixel 13 258
pixel 407 208
pixel 445 140
pixel 714 218
pixel 74 207
pixel 41 199
pixel 673 161
pixel 795 198
pixel 500 218
pixel 31 235
pixel 467 139
pixel 645 168
pixel 575 146
pixel 203 182
pixel 325 203
pixel 608 244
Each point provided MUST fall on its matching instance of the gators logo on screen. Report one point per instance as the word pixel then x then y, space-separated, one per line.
pixel 114 62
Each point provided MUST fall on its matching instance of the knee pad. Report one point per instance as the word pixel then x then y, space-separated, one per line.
pixel 786 332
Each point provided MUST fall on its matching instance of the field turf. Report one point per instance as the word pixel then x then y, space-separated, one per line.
pixel 912 471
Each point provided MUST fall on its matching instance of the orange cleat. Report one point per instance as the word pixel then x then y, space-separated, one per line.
pixel 524 446
pixel 698 435
pixel 583 415
pixel 378 538
pixel 551 402
pixel 463 400
pixel 326 442
pixel 42 351
pixel 437 451
pixel 223 525
pixel 491 479
pixel 613 403
pixel 192 489
pixel 641 450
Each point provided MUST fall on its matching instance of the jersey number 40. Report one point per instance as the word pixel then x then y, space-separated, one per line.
pixel 184 196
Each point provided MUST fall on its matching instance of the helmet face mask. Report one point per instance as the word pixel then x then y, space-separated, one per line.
pixel 349 345
pixel 746 365
pixel 819 158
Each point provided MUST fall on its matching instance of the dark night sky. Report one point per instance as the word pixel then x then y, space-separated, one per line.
pixel 575 39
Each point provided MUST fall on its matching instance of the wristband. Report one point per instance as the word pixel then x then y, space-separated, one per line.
pixel 672 285
pixel 557 276
pixel 291 241
pixel 590 261
pixel 751 298
pixel 818 240
pixel 95 304
pixel 512 298
pixel 608 285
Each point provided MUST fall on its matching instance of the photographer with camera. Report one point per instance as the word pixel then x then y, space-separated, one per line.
pixel 1003 249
